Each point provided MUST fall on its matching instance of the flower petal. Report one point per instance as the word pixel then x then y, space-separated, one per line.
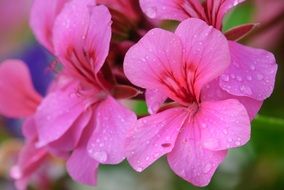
pixel 70 139
pixel 18 98
pixel 220 8
pixel 113 121
pixel 172 9
pixel 82 33
pixel 158 52
pixel 80 166
pixel 57 113
pixel 206 51
pixel 154 99
pixel 154 136
pixel 31 159
pixel 223 124
pixel 213 92
pixel 190 160
pixel 251 73
pixel 42 25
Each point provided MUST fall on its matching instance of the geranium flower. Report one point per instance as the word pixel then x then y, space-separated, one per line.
pixel 18 99
pixel 193 132
pixel 84 117
pixel 251 73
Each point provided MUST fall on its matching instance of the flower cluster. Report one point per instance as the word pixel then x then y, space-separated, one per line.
pixel 202 88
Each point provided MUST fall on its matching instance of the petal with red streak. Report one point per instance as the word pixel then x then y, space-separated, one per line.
pixel 154 136
pixel 206 52
pixel 172 9
pixel 82 33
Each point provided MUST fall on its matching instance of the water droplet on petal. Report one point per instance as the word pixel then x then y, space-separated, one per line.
pixel 246 90
pixel 16 172
pixel 249 78
pixel 100 156
pixel 259 76
pixel 225 78
pixel 239 78
pixel 139 169
pixel 151 12
pixel 252 67
pixel 207 168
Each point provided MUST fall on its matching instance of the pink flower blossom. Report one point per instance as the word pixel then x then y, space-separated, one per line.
pixel 18 99
pixel 84 117
pixel 43 15
pixel 195 133
pixel 252 71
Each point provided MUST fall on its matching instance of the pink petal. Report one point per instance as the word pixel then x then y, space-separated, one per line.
pixel 70 139
pixel 31 159
pixel 223 124
pixel 172 9
pixel 82 33
pixel 80 166
pixel 221 8
pixel 154 99
pixel 57 113
pixel 251 74
pixel 206 51
pixel 154 136
pixel 43 15
pixel 113 121
pixel 190 160
pixel 213 92
pixel 29 129
pixel 158 52
pixel 17 98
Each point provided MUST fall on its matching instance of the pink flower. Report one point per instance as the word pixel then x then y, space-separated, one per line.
pixel 43 15
pixel 195 133
pixel 251 75
pixel 18 99
pixel 84 117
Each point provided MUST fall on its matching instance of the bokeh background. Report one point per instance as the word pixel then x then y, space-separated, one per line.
pixel 258 165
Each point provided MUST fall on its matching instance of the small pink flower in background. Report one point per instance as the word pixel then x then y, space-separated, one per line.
pixel 84 117
pixel 193 132
pixel 252 71
pixel 18 99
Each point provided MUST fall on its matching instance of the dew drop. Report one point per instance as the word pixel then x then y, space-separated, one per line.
pixel 16 172
pixel 252 67
pixel 207 168
pixel 225 78
pixel 151 12
pixel 100 156
pixel 249 78
pixel 259 76
pixel 239 78
pixel 139 169
pixel 238 143
pixel 246 89
pixel 225 131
